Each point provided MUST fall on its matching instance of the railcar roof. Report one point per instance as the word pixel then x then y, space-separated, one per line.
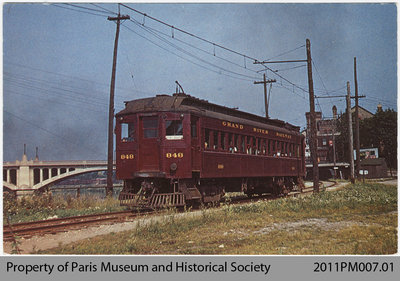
pixel 183 102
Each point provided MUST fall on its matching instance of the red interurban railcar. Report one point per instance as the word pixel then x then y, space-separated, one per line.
pixel 179 150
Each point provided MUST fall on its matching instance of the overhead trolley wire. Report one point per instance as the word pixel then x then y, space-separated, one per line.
pixel 86 8
pixel 285 53
pixel 191 55
pixel 188 33
pixel 76 10
pixel 173 28
pixel 98 6
pixel 197 48
pixel 165 49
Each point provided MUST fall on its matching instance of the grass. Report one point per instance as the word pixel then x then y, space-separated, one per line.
pixel 359 219
pixel 44 206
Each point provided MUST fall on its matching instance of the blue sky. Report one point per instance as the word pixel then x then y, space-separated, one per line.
pixel 57 64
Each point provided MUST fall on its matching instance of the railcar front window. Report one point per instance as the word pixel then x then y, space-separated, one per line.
pixel 127 132
pixel 173 130
pixel 150 128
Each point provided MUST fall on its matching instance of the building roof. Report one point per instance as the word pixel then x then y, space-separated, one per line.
pixel 362 112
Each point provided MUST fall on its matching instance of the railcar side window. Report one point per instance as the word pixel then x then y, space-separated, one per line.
pixel 193 128
pixel 127 132
pixel 150 127
pixel 206 138
pixel 173 130
pixel 216 140
pixel 223 144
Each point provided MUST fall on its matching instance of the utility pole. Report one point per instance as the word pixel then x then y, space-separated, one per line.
pixel 334 124
pixel 313 137
pixel 266 99
pixel 110 162
pixel 357 133
pixel 348 102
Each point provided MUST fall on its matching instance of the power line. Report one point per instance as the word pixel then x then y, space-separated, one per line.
pixel 210 42
pixel 47 131
pixel 80 11
pixel 283 78
pixel 173 28
pixel 285 69
pixel 90 9
pixel 285 53
pixel 54 90
pixel 188 33
pixel 194 47
pixel 98 6
pixel 86 107
pixel 194 56
pixel 74 77
pixel 199 65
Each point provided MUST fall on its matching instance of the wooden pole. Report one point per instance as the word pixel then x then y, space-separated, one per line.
pixel 110 157
pixel 313 124
pixel 357 121
pixel 350 127
pixel 266 100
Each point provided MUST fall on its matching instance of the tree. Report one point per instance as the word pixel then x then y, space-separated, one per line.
pixel 379 131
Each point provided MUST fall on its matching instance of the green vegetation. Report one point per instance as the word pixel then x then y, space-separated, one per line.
pixel 379 131
pixel 44 206
pixel 359 219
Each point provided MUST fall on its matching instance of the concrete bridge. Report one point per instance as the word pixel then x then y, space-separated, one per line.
pixel 27 176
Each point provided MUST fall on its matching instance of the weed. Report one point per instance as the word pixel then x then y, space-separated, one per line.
pixel 359 219
pixel 39 207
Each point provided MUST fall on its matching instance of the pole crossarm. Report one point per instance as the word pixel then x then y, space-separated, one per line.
pixel 327 97
pixel 280 61
pixel 124 17
pixel 267 81
pixel 266 98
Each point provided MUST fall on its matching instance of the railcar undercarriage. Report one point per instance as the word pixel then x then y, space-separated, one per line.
pixel 157 193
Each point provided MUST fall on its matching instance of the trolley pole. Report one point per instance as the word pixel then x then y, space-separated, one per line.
pixel 110 162
pixel 313 124
pixel 351 159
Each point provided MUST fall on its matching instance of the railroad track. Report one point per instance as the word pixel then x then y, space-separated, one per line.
pixel 27 229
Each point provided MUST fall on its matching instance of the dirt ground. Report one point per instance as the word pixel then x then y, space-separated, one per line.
pixel 48 241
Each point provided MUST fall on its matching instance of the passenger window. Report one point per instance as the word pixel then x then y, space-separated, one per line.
pixel 258 147
pixel 264 147
pixel 206 138
pixel 216 144
pixel 230 142
pixel 127 132
pixel 150 127
pixel 223 145
pixel 236 143
pixel 173 130
pixel 278 149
